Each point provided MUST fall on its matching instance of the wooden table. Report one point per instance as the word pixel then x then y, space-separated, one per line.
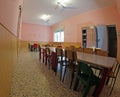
pixel 105 62
pixel 101 61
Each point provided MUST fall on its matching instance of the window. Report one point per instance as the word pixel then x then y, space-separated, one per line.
pixel 59 36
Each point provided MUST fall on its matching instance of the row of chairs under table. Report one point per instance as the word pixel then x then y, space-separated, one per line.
pixel 86 73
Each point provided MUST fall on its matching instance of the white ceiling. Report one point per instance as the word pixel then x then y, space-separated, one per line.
pixel 33 9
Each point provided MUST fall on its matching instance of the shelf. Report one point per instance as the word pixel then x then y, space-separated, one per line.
pixel 84 38
pixel 84 34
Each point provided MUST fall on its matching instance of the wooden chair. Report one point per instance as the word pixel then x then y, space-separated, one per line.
pixel 72 47
pixel 60 59
pixel 29 46
pixel 79 49
pixel 47 56
pixel 59 46
pixel 71 59
pixel 112 74
pixel 88 50
pixel 40 51
pixel 101 52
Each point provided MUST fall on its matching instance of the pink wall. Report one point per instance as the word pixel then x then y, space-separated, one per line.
pixel 118 5
pixel 9 10
pixel 35 32
pixel 107 15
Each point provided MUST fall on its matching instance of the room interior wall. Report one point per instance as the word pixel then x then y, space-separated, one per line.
pixel 118 5
pixel 9 11
pixel 8 57
pixel 105 16
pixel 35 32
pixel 108 15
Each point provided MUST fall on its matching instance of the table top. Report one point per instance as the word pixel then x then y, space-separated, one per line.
pixel 102 61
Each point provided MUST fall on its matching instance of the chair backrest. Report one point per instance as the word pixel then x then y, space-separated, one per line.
pixel 85 69
pixel 101 52
pixel 35 45
pixel 72 47
pixel 80 49
pixel 74 56
pixel 59 46
pixel 69 54
pixel 59 51
pixel 47 50
pixel 39 48
pixel 88 50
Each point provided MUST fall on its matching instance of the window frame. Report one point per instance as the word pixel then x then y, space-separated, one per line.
pixel 58 35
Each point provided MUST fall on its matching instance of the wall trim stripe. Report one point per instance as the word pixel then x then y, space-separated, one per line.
pixel 7 29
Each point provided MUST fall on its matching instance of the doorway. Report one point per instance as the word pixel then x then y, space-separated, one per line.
pixel 112 41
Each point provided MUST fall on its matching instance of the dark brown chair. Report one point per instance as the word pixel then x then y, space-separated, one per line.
pixel 79 49
pixel 47 56
pixel 71 61
pixel 101 52
pixel 88 50
pixel 72 47
pixel 40 52
pixel 60 60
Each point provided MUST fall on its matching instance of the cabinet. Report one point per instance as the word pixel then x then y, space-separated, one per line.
pixel 88 37
pixel 84 38
pixel 100 36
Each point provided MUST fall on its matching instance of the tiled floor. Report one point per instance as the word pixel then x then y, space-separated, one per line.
pixel 33 79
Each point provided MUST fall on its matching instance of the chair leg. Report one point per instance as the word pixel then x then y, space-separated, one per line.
pixel 46 59
pixel 61 71
pixel 96 87
pixel 72 77
pixel 112 86
pixel 107 81
pixel 64 74
pixel 49 62
pixel 76 84
pixel 39 56
pixel 86 90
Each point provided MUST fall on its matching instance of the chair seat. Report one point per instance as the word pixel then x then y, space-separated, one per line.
pixel 87 77
pixel 84 79
pixel 61 59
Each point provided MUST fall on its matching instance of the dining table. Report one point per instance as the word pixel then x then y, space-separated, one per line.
pixel 104 62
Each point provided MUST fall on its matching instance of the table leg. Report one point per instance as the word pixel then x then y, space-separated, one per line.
pixel 102 82
pixel 43 54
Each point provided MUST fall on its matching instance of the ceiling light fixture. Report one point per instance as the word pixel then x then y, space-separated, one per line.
pixel 63 4
pixel 45 17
